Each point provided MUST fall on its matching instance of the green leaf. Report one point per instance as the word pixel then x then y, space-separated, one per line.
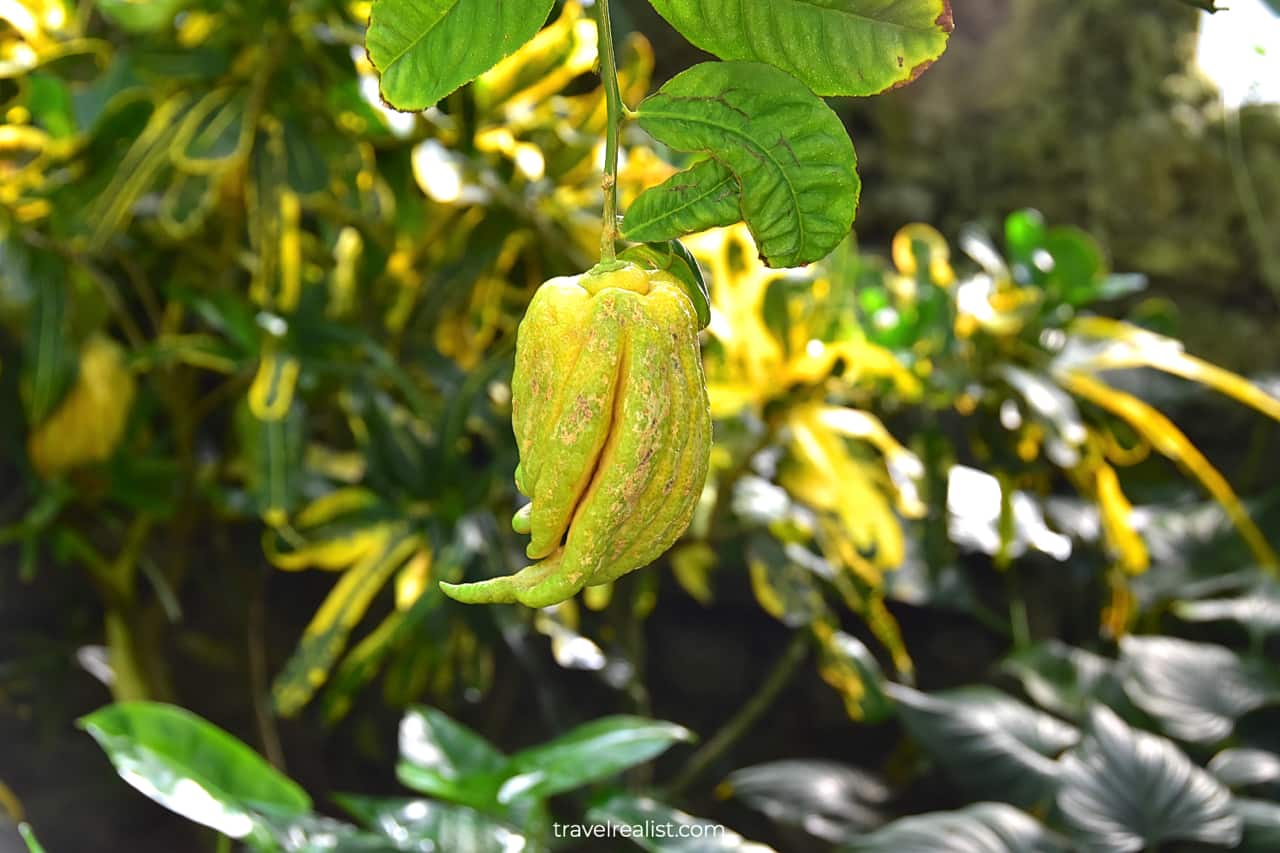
pixel 427 825
pixel 1196 690
pixel 425 49
pixel 192 767
pixel 837 47
pixel 1063 679
pixel 142 16
pixel 1258 610
pixel 590 752
pixel 824 798
pixel 442 758
pixel 790 152
pixel 672 257
pixel 703 196
pixel 995 745
pixel 29 836
pixel 1125 790
pixel 980 828
pixel 684 832
pixel 1261 826
pixel 1240 768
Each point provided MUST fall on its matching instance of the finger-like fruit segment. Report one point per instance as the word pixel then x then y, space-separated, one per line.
pixel 609 408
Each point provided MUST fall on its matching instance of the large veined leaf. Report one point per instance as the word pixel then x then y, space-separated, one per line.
pixel 425 49
pixel 993 744
pixel 192 767
pixel 691 834
pixel 1125 790
pixel 443 758
pixel 592 751
pixel 824 798
pixel 1196 690
pixel 980 828
pixel 703 196
pixel 790 153
pixel 837 47
pixel 429 825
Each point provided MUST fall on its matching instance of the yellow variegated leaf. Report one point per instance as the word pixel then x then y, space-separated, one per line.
pixel 1117 521
pixel 692 564
pixel 1132 346
pixel 326 636
pixel 937 251
pixel 327 533
pixel 413 579
pixel 346 262
pixel 1169 441
pixel 89 422
pixel 271 393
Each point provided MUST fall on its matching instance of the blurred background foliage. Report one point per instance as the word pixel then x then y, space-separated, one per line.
pixel 255 338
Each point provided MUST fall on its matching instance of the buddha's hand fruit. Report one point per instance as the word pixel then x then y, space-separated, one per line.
pixel 610 412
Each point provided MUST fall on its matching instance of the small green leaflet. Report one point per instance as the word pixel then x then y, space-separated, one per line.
pixel 425 49
pixel 837 47
pixel 703 196
pixel 789 151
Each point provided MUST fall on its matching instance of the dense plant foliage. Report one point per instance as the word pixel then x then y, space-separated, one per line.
pixel 253 321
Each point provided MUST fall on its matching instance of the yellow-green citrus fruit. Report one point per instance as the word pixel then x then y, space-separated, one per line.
pixel 609 408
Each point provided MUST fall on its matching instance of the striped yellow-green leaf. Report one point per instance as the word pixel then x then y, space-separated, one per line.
pixel 424 49
pixel 837 47
pixel 789 151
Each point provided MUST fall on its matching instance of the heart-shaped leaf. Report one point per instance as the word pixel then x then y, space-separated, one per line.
pixel 425 49
pixel 1196 690
pixel 790 153
pixel 1261 826
pixel 1061 678
pixel 1257 610
pixel 192 767
pixel 824 798
pixel 837 47
pixel 980 828
pixel 997 746
pixel 1125 790
pixel 684 832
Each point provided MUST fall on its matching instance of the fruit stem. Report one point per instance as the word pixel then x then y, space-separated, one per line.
pixel 614 108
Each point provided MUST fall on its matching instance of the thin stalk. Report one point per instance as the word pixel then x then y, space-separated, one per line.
pixel 614 109
pixel 746 717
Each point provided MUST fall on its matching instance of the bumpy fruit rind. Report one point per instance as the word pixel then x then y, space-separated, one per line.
pixel 610 413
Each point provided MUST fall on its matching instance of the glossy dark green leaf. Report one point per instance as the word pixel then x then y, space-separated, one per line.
pixel 1125 790
pixel 980 828
pixel 682 833
pixel 675 259
pixel 789 151
pixel 312 833
pixel 424 49
pixel 994 745
pixel 442 758
pixel 846 663
pixel 1240 768
pixel 1063 679
pixel 826 799
pixel 703 196
pixel 593 751
pixel 1196 690
pixel 192 767
pixel 428 825
pixel 49 353
pixel 837 47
